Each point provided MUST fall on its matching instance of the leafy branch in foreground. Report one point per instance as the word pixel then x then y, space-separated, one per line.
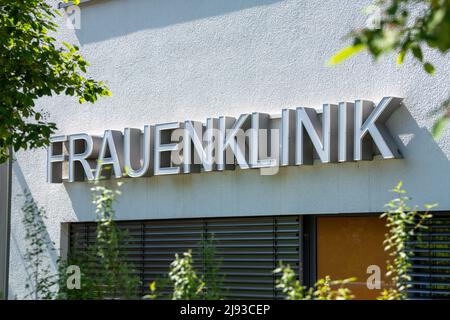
pixel 105 272
pixel 322 290
pixel 403 223
pixel 211 277
pixel 187 285
pixel 184 280
pixel 33 65
pixel 405 27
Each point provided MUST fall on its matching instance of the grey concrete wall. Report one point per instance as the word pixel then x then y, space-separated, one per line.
pixel 176 60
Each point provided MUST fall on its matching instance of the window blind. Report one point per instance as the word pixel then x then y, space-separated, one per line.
pixel 430 271
pixel 247 249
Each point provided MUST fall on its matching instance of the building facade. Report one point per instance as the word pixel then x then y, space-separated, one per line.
pixel 173 61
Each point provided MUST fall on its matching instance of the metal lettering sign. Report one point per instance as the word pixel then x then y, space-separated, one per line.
pixel 343 132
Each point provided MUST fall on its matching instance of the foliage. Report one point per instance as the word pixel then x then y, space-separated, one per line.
pixel 402 222
pixel 41 280
pixel 187 285
pixel 405 27
pixel 187 282
pixel 87 290
pixel 322 290
pixel 212 279
pixel 113 277
pixel 32 65
pixel 290 285
pixel 153 294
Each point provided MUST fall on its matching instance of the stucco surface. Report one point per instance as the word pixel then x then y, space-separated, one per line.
pixel 176 60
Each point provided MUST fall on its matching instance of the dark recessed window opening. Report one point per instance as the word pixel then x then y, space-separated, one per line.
pixel 250 248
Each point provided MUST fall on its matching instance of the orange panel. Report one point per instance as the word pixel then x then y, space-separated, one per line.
pixel 346 246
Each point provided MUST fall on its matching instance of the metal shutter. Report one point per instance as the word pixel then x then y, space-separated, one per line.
pixel 249 249
pixel 430 273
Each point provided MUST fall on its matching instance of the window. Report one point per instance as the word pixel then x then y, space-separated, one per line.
pixel 249 248
pixel 430 273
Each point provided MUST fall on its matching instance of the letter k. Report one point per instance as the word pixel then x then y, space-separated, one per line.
pixel 370 120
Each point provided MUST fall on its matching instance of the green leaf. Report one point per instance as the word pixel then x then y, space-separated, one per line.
pixel 152 286
pixel 438 127
pixel 438 16
pixel 401 57
pixel 417 52
pixel 429 68
pixel 345 53
pixel 70 91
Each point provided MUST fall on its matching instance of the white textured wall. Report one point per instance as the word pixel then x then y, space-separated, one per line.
pixel 176 60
